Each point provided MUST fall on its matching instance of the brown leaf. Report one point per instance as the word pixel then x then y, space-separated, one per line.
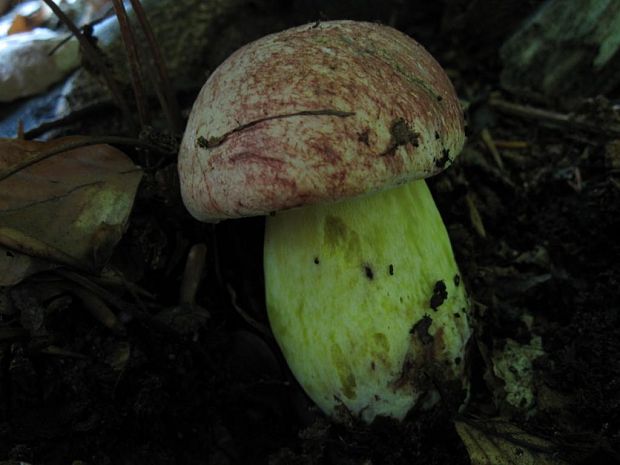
pixel 71 208
pixel 499 442
pixel 20 24
pixel 14 266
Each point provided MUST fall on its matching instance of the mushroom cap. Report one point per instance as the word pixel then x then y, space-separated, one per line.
pixel 314 114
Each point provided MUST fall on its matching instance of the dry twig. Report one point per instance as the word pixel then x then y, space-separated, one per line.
pixel 552 118
pixel 83 142
pixel 474 216
pixel 163 88
pixel 192 274
pixel 133 59
pixel 257 325
pixel 96 60
pixel 490 143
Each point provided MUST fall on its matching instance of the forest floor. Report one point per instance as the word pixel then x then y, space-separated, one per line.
pixel 533 212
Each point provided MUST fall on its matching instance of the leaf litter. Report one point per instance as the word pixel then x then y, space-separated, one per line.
pixel 69 209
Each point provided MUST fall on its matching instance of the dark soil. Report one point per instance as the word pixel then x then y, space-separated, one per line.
pixel 537 243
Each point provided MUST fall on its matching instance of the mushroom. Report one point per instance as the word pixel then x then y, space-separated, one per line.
pixel 329 129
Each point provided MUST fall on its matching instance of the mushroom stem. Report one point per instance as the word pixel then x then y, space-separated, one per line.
pixel 365 300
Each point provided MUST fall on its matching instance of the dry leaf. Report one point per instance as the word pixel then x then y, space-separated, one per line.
pixel 512 364
pixel 71 208
pixel 14 266
pixel 499 442
pixel 20 24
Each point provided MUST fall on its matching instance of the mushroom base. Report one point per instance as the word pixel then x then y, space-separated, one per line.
pixel 365 300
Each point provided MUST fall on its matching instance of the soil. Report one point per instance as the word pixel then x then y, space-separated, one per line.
pixel 535 236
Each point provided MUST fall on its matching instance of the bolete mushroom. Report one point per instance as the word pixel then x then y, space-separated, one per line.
pixel 329 128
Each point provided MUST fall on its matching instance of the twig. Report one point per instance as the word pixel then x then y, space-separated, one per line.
pixel 86 141
pixel 95 289
pixel 511 144
pixel 216 141
pixel 490 143
pixel 133 59
pixel 94 57
pixel 119 281
pixel 192 274
pixel 98 309
pixel 59 352
pixel 163 88
pixel 552 118
pixel 140 315
pixel 87 29
pixel 261 328
pixel 474 216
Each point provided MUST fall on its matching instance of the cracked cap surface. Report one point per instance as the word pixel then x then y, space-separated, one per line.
pixel 314 114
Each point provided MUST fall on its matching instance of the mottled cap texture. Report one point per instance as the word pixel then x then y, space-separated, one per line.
pixel 315 114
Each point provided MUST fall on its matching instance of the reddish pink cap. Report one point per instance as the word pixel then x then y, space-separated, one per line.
pixel 314 114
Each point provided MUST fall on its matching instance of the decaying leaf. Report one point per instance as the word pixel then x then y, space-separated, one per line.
pixel 15 266
pixel 20 24
pixel 117 354
pixel 499 442
pixel 512 364
pixel 71 208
